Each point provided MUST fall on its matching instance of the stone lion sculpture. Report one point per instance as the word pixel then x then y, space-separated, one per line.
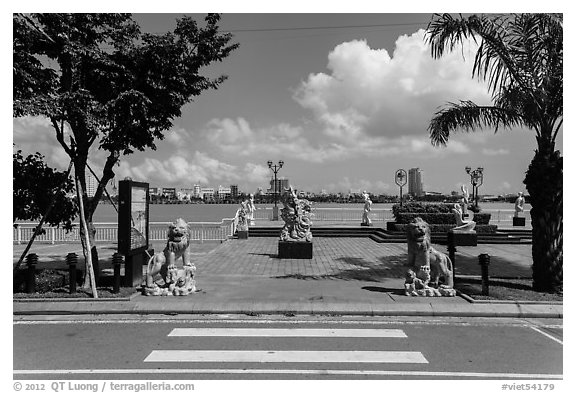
pixel 426 264
pixel 177 247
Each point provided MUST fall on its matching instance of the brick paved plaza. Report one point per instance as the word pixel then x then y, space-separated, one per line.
pixel 334 258
pixel 351 259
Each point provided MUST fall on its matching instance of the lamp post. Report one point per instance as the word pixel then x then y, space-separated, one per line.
pixel 400 179
pixel 476 179
pixel 275 168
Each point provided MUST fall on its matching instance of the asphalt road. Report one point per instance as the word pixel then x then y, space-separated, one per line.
pixel 277 348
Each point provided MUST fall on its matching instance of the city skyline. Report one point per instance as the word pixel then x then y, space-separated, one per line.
pixel 343 107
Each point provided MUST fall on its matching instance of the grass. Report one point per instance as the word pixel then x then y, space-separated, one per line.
pixel 63 293
pixel 511 289
pixel 55 284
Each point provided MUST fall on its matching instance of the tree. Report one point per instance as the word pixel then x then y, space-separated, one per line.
pixel 35 186
pixel 99 80
pixel 521 56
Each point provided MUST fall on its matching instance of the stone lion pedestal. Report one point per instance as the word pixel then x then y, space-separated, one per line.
pixel 242 235
pixel 519 221
pixel 295 250
pixel 462 238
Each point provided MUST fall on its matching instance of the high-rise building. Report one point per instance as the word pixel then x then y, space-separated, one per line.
pixel 207 193
pixel 234 190
pixel 223 192
pixel 196 191
pixel 415 186
pixel 281 185
pixel 91 183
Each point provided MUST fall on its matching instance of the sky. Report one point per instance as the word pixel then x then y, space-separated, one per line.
pixel 343 107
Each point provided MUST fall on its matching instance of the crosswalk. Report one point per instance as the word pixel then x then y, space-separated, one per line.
pixel 297 355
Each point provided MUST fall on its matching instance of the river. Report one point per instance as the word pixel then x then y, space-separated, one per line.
pixel 216 212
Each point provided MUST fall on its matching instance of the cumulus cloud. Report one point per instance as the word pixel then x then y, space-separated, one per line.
pixel 285 140
pixel 184 171
pixel 346 184
pixel 369 103
pixel 495 152
pixel 368 92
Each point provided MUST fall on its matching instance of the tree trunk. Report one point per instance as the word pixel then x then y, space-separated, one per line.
pixel 544 184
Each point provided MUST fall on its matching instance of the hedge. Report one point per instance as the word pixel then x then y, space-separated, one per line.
pixel 441 228
pixel 418 207
pixel 440 218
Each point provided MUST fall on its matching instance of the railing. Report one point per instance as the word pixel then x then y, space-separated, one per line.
pixel 218 231
pixel 108 231
pixel 333 214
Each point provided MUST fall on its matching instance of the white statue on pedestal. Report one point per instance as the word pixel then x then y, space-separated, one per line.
pixel 464 201
pixel 519 205
pixel 462 225
pixel 250 207
pixel 367 207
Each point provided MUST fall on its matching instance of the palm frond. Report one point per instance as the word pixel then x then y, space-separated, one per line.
pixel 467 116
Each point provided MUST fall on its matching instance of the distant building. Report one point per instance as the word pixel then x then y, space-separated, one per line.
pixel 234 190
pixel 207 193
pixel 184 194
pixel 169 192
pixel 356 191
pixel 196 191
pixel 154 191
pixel 415 186
pixel 279 186
pixel 224 192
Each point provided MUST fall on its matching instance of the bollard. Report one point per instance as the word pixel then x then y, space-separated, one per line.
pixel 484 261
pixel 31 260
pixel 116 262
pixel 71 261
pixel 452 253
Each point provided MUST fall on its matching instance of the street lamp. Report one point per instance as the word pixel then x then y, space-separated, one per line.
pixel 275 168
pixel 476 179
pixel 400 179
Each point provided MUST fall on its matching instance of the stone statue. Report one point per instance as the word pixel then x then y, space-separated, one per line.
pixel 519 205
pixel 242 217
pixel 426 265
pixel 465 200
pixel 462 225
pixel 250 206
pixel 367 207
pixel 296 214
pixel 177 247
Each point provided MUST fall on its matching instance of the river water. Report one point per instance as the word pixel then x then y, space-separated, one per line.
pixel 216 212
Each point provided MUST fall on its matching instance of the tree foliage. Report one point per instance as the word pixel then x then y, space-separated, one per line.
pixel 521 57
pixel 35 185
pixel 98 78
pixel 102 82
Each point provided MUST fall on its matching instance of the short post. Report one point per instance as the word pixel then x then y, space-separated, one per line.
pixel 484 260
pixel 71 261
pixel 452 252
pixel 117 263
pixel 31 260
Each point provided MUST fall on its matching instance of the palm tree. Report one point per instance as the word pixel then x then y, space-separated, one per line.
pixel 521 57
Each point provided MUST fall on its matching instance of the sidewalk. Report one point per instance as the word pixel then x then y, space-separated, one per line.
pixel 347 276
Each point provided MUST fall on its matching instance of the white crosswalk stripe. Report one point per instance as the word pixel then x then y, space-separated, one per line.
pixel 293 332
pixel 292 356
pixel 287 356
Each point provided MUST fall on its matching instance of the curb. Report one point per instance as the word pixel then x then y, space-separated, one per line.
pixel 487 312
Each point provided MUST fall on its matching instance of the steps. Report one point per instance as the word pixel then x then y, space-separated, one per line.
pixel 380 235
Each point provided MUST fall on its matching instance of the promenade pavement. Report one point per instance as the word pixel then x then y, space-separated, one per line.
pixel 346 276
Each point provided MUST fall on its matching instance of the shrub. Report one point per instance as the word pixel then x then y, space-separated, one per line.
pixel 418 207
pixel 442 228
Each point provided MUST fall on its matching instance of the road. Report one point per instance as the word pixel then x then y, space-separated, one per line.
pixel 234 347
